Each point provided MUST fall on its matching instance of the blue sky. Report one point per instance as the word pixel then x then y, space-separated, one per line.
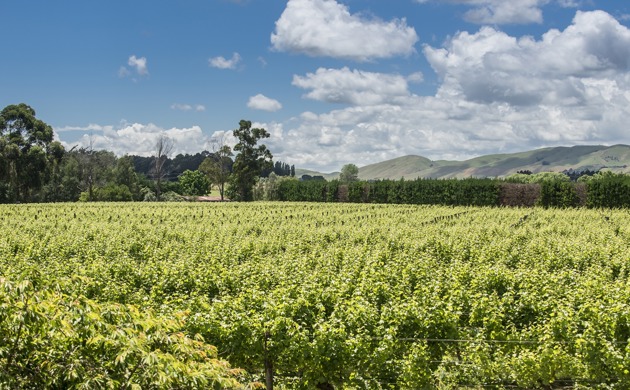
pixel 333 81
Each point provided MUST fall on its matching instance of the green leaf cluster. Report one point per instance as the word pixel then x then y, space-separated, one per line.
pixel 50 340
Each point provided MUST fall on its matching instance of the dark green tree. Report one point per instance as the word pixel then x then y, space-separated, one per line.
pixel 250 161
pixel 26 149
pixel 52 191
pixel 124 174
pixel 194 183
pixel 70 176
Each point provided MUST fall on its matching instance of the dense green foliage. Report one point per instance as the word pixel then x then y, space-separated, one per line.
pixel 355 296
pixel 51 340
pixel 174 166
pixel 252 159
pixel 478 192
pixel 28 155
pixel 194 183
pixel 307 191
pixel 548 189
pixel 558 194
pixel 280 169
pixel 608 190
pixel 34 168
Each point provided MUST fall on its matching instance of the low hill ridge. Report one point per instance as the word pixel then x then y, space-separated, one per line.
pixel 554 159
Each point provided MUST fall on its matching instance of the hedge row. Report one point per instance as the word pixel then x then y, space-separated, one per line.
pixel 477 192
pixel 607 190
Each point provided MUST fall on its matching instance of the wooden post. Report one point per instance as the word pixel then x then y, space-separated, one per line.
pixel 268 365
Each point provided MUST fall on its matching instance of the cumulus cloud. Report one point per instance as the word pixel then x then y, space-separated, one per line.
pixel 262 102
pixel 352 86
pixel 490 66
pixel 327 28
pixel 138 139
pixel 498 93
pixel 188 107
pixel 137 64
pixel 439 128
pixel 504 11
pixel 223 63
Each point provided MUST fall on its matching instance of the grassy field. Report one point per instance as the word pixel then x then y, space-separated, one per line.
pixel 351 296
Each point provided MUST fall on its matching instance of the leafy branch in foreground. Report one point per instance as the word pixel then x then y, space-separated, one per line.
pixel 51 340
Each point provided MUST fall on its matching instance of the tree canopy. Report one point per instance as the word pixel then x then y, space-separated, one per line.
pixel 36 168
pixel 250 161
pixel 194 183
pixel 28 154
pixel 349 173
pixel 218 166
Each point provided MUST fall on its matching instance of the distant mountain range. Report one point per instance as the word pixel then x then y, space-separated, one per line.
pixel 556 159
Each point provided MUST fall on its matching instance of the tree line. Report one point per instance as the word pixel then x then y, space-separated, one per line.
pixel 546 189
pixel 36 168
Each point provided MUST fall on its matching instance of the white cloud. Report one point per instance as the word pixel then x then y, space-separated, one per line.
pixel 181 107
pixel 505 11
pixel 498 93
pixel 139 64
pixel 554 70
pixel 440 128
pixel 223 63
pixel 123 72
pixel 352 86
pixel 138 139
pixel 188 107
pixel 416 77
pixel 502 12
pixel 262 102
pixel 327 28
pixel 91 127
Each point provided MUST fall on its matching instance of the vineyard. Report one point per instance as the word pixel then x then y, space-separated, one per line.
pixel 313 296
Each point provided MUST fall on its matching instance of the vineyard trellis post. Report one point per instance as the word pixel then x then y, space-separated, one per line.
pixel 268 364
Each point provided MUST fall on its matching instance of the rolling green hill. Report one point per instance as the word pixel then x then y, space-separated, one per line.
pixel 555 159
pixel 328 176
